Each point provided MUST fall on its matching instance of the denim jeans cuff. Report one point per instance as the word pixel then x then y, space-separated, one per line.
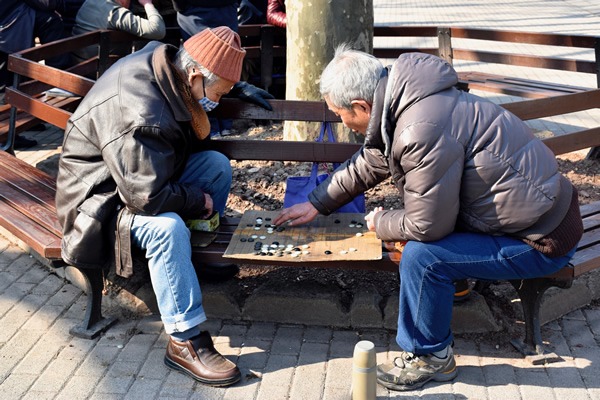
pixel 181 323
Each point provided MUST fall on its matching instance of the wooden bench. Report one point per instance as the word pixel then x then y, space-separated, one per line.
pixel 474 46
pixel 27 199
pixel 77 79
pixel 477 47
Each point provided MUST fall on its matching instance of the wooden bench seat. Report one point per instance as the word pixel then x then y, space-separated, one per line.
pixel 28 211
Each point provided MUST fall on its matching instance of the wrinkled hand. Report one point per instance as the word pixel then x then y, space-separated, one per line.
pixel 208 205
pixel 252 94
pixel 297 214
pixel 370 218
pixel 247 11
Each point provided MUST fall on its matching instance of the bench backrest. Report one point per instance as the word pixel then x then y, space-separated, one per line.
pixel 80 78
pixel 449 49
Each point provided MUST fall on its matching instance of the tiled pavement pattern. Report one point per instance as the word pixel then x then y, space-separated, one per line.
pixel 40 360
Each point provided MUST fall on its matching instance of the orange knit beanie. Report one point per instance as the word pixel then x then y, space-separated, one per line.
pixel 219 50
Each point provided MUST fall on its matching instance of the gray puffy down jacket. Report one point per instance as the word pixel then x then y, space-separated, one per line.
pixel 460 161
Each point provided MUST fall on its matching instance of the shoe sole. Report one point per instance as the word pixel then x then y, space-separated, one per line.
pixel 438 377
pixel 211 382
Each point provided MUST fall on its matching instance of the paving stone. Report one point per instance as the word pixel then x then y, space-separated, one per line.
pixel 558 302
pixel 365 311
pixel 473 316
pixel 314 307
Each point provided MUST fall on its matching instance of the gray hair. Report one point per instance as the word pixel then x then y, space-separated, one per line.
pixel 351 75
pixel 184 61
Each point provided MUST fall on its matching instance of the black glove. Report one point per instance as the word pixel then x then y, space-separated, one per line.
pixel 250 93
pixel 248 13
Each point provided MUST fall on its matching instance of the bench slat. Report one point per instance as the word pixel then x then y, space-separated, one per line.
pixel 52 76
pixel 585 260
pixel 573 141
pixel 21 167
pixel 525 60
pixel 591 222
pixel 38 108
pixel 516 86
pixel 27 121
pixel 552 106
pixel 588 209
pixel 29 207
pixel 39 239
pixel 276 150
pixel 589 239
pixel 283 110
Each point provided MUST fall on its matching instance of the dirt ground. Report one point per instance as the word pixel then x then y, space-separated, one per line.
pixel 261 186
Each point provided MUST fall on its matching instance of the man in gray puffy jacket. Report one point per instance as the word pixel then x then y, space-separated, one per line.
pixel 483 197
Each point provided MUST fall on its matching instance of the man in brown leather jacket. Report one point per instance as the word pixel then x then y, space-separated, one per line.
pixel 133 166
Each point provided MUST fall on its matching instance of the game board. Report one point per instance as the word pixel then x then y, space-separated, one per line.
pixel 337 237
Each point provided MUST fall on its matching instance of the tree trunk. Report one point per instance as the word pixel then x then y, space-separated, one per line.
pixel 314 29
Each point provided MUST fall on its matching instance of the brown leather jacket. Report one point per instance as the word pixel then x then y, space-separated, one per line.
pixel 124 149
pixel 276 13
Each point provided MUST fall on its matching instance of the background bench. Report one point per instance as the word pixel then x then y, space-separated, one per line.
pixel 27 199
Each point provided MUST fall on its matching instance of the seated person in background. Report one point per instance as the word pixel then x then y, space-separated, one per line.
pixel 252 12
pixel 20 23
pixel 483 197
pixel 69 14
pixel 195 15
pixel 115 14
pixel 135 165
pixel 276 13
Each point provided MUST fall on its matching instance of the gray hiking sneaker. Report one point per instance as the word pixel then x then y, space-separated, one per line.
pixel 409 372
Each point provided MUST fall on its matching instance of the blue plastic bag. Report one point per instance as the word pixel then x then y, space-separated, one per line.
pixel 299 187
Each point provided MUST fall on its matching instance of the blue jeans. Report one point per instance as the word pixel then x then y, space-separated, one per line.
pixel 166 241
pixel 428 270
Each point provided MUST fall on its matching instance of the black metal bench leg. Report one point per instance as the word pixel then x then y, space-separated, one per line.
pixel 93 323
pixel 531 292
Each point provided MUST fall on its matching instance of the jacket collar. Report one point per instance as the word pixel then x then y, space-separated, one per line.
pixel 175 89
pixel 375 135
pixel 167 81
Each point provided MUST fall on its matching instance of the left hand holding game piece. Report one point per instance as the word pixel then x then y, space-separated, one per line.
pixel 297 214
pixel 370 218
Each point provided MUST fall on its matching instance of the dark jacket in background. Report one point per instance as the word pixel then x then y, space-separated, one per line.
pixel 21 21
pixel 182 5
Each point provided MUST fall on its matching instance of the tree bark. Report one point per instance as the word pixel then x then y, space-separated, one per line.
pixel 314 29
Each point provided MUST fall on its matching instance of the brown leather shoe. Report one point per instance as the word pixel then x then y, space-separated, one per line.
pixel 199 359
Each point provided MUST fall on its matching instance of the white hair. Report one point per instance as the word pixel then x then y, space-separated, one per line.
pixel 184 61
pixel 351 75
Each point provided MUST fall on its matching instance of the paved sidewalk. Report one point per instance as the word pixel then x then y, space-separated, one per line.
pixel 40 360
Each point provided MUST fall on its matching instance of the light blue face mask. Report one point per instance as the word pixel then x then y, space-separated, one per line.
pixel 206 103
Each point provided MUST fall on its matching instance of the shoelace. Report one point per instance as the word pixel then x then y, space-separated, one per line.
pixel 405 358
